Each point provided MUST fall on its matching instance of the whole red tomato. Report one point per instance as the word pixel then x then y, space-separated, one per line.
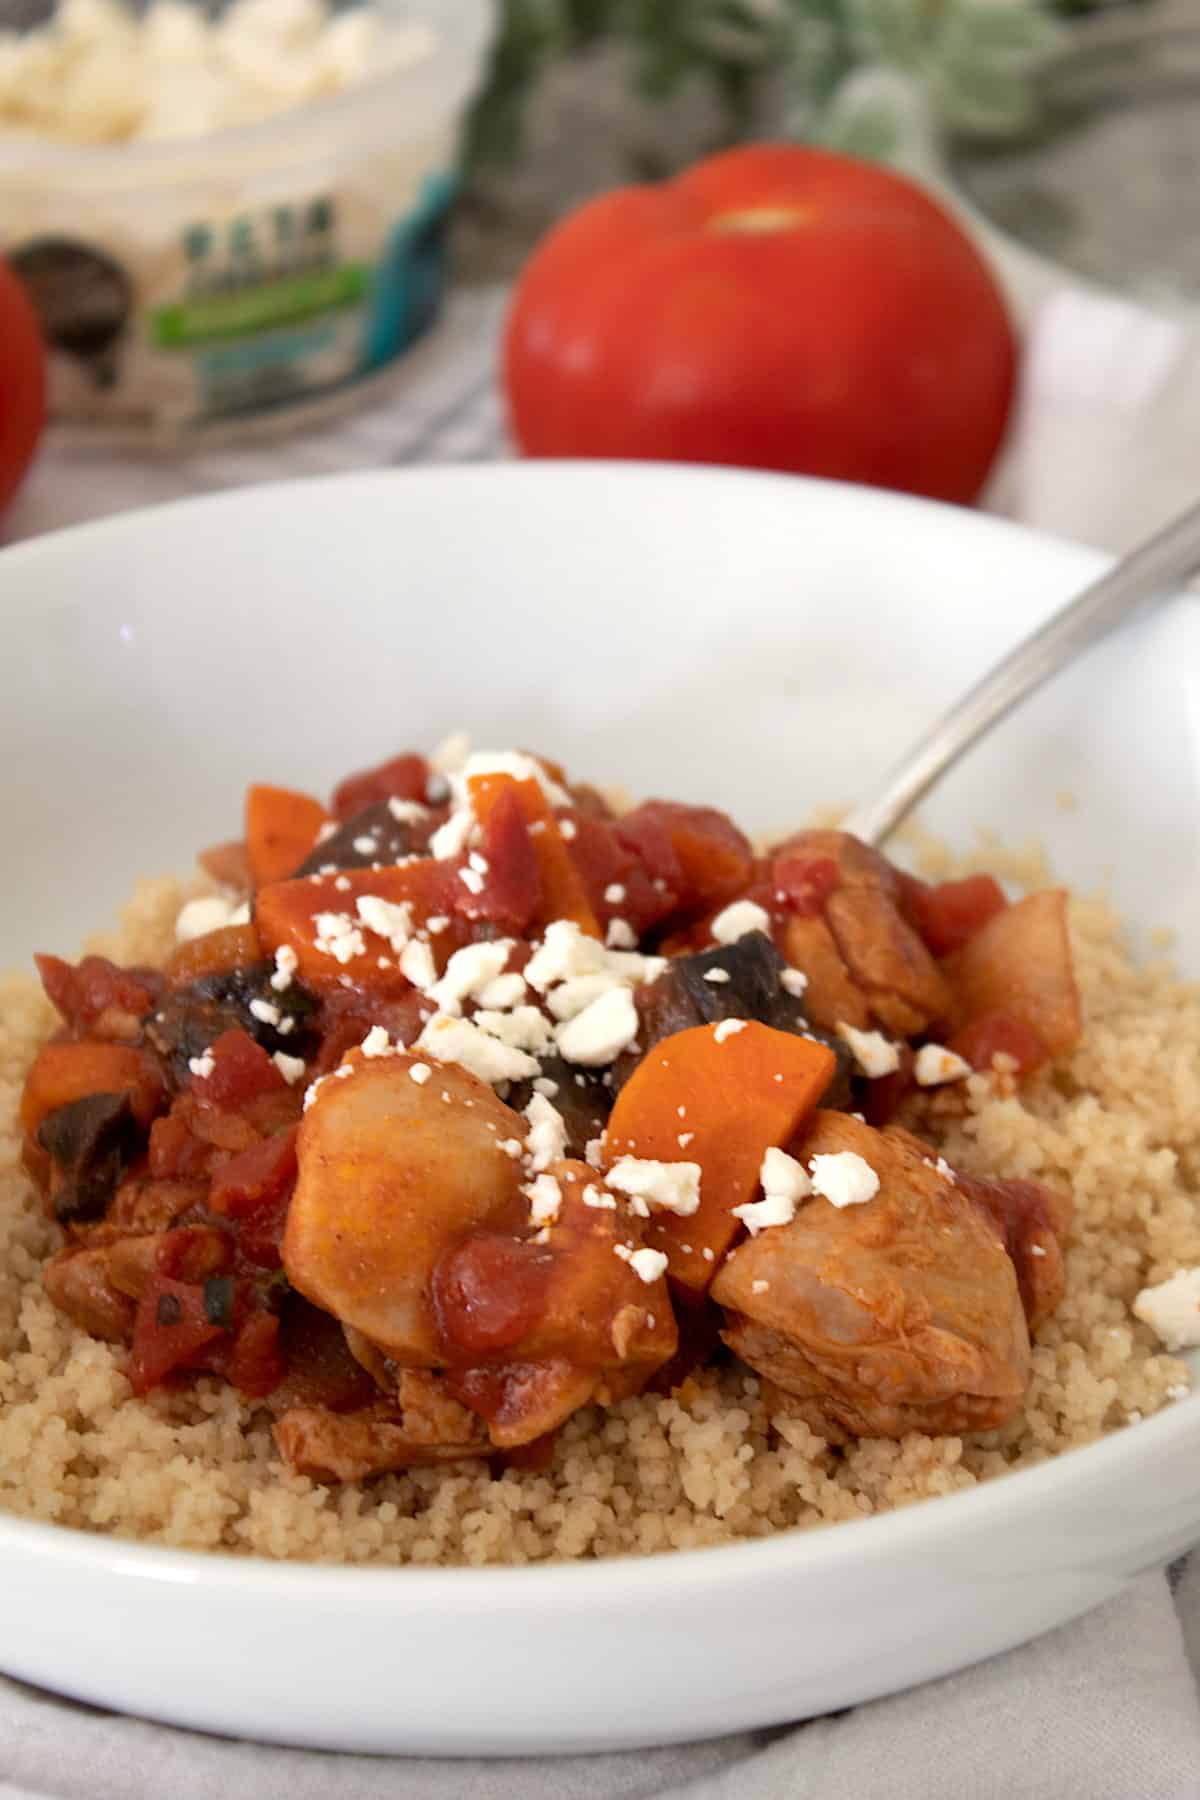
pixel 22 384
pixel 776 307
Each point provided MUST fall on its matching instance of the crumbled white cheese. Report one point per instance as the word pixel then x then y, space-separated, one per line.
pixel 525 1028
pixel 646 1264
pixel 503 992
pixel 472 880
pixel 390 919
pixel 407 812
pixel 457 1040
pixel 571 996
pixel 620 935
pixel 417 964
pixel 512 1147
pixel 201 1066
pixel 944 1170
pixel 211 912
pixel 544 1085
pixel 437 924
pixel 759 1287
pixel 596 1197
pixel 684 1139
pixel 568 828
pixel 565 952
pixel 469 970
pixel 545 1199
pixel 728 1028
pixel 450 839
pixel 793 982
pixel 665 1186
pixel 935 1064
pixel 614 893
pixel 716 976
pixel 338 936
pixel 601 1031
pixel 1037 1249
pixel 738 920
pixel 377 1043
pixel 517 764
pixel 264 1011
pixel 366 846
pixel 547 1138
pixel 1172 1309
pixel 290 1067
pixel 784 1183
pixel 593 1153
pixel 844 1178
pixel 420 1073
pixel 286 964
pixel 873 1053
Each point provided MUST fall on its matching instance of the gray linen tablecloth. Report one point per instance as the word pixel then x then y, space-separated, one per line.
pixel 1104 1709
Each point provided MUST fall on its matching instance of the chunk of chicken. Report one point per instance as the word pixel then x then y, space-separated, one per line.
pixel 423 1425
pixel 901 1313
pixel 393 1171
pixel 78 1282
pixel 1020 963
pixel 864 961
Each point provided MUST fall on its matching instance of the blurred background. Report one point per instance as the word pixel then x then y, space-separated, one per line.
pixel 282 237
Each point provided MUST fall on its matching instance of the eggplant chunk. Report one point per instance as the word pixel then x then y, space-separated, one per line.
pixel 901 1313
pixel 372 836
pixel 392 1171
pixel 91 1141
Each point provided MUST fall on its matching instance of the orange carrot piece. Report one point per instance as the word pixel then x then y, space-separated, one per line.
pixel 722 1099
pixel 229 947
pixel 287 913
pixel 281 829
pixel 65 1072
pixel 564 892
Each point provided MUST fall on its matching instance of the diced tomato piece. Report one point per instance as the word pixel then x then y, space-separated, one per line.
pixel 281 828
pixel 802 884
pixel 947 915
pixel 242 1071
pixel 606 863
pixel 403 778
pixel 171 1326
pixel 999 1034
pixel 711 860
pixel 72 1071
pixel 82 992
pixel 260 1235
pixel 488 1291
pixel 249 1180
pixel 512 883
pixel 256 1364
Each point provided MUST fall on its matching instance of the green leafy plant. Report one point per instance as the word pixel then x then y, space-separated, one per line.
pixel 972 60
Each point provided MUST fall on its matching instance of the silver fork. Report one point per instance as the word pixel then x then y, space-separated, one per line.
pixel 1146 574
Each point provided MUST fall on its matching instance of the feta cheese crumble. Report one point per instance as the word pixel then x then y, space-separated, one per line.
pixel 738 920
pixel 935 1065
pixel 545 1199
pixel 1172 1309
pixel 290 1067
pixel 646 1264
pixel 547 1138
pixel 784 1183
pixel 843 1178
pixel 286 964
pixel 728 1028
pixel 389 919
pixel 338 936
pixel 211 912
pixel 601 1031
pixel 664 1186
pixel 201 1066
pixel 451 1039
pixel 264 1011
pixel 717 976
pixel 793 982
pixel 468 971
pixel 875 1055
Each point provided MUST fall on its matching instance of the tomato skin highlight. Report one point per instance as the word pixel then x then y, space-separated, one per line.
pixel 776 307
pixel 22 383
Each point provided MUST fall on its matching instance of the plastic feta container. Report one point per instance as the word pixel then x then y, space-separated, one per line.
pixel 203 282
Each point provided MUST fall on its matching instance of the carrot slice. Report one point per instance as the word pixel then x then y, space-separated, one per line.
pixel 281 829
pixel 564 891
pixel 288 912
pixel 719 1098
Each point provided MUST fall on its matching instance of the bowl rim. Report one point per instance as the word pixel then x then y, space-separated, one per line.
pixel 790 1552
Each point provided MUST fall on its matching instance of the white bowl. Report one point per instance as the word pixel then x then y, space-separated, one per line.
pixel 759 642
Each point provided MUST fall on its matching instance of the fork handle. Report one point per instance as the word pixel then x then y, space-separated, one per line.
pixel 1147 573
